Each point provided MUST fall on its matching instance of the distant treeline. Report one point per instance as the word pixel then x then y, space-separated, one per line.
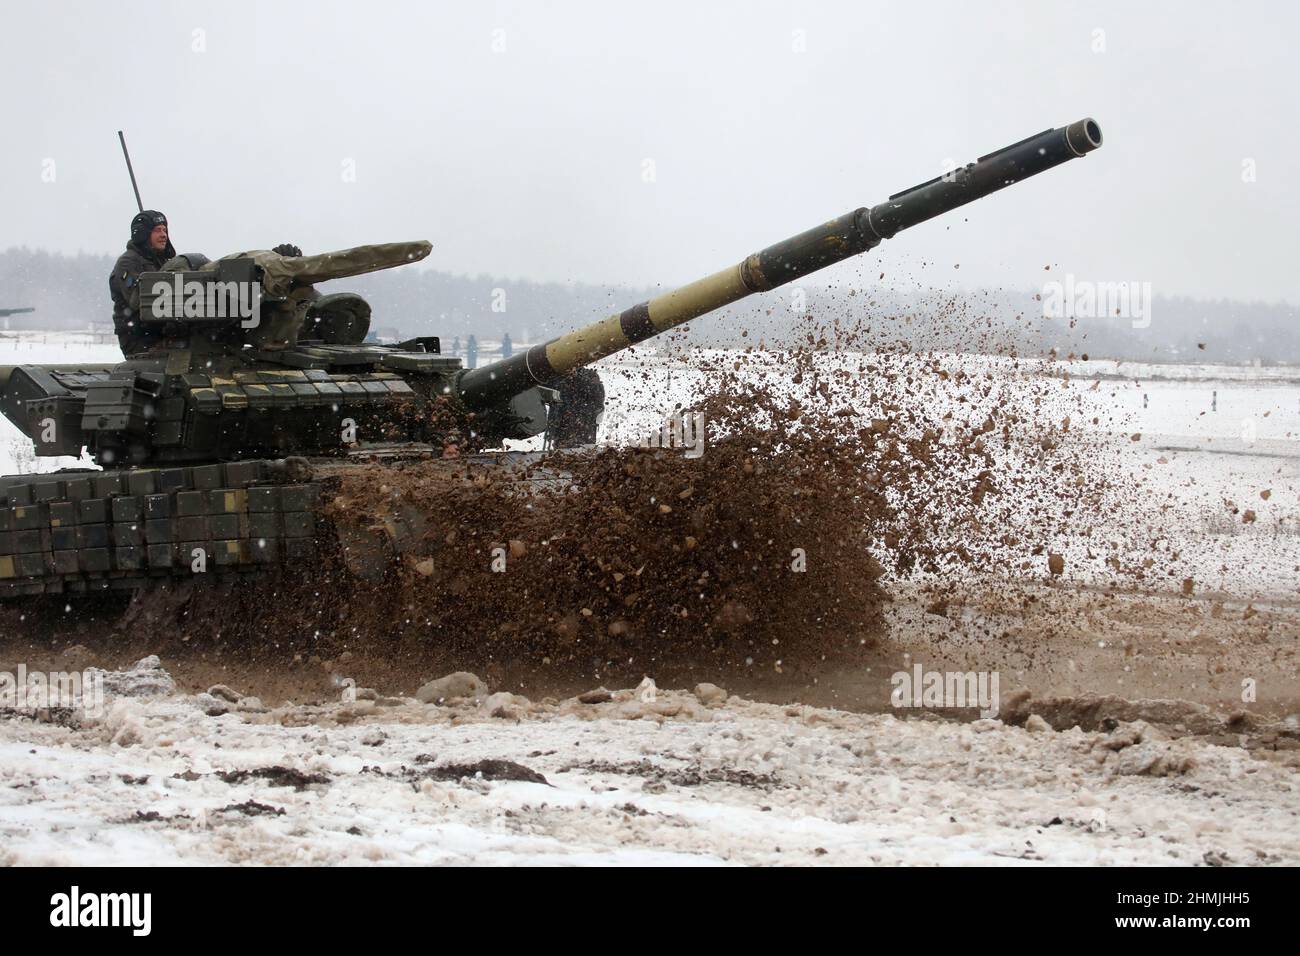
pixel 71 292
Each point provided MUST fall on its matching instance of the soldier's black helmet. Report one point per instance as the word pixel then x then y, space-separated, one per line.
pixel 143 224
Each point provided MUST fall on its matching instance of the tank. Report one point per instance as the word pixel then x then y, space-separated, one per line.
pixel 215 447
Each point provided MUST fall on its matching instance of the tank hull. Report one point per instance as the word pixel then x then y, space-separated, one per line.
pixel 93 531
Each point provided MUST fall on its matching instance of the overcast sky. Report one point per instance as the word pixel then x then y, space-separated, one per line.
pixel 520 138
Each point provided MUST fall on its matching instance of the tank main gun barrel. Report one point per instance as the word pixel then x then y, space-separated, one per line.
pixel 853 233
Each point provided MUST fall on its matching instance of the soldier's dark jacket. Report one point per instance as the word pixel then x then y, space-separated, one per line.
pixel 124 285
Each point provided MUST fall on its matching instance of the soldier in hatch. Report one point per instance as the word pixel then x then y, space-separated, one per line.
pixel 149 248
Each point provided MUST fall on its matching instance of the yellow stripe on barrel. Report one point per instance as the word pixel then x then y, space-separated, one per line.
pixel 587 344
pixel 693 300
pixel 595 341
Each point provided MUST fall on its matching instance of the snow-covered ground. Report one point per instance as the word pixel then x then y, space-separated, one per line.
pixel 673 780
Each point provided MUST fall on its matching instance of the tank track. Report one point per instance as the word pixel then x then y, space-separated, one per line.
pixel 95 531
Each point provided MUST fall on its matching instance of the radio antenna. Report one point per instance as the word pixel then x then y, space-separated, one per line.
pixel 130 171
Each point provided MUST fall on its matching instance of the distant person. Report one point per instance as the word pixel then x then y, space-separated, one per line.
pixel 507 347
pixel 471 352
pixel 149 248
